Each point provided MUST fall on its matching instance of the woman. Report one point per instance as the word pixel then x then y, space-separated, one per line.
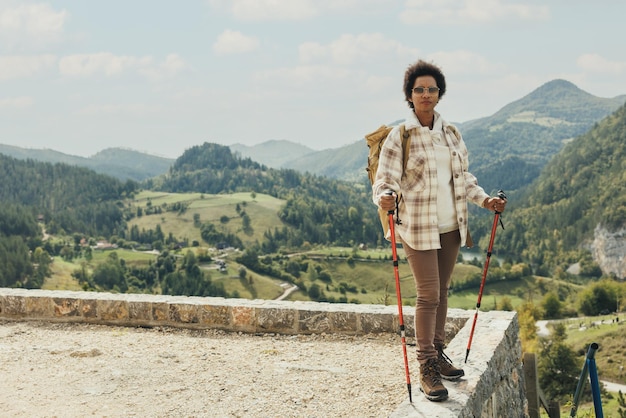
pixel 435 187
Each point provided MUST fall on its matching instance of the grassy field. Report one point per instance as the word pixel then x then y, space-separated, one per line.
pixel 61 278
pixel 369 279
pixel 610 358
pixel 262 210
pixel 610 336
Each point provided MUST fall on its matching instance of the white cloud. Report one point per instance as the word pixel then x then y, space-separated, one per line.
pixel 378 83
pixel 350 66
pixel 136 109
pixel 31 23
pixel 106 63
pixel 21 102
pixel 469 11
pixel 110 65
pixel 275 10
pixel 464 62
pixel 352 49
pixel 22 66
pixel 233 42
pixel 172 65
pixel 305 74
pixel 597 64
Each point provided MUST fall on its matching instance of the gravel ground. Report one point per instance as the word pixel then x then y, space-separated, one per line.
pixel 76 370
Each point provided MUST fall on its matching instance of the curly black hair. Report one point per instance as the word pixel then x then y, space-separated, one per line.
pixel 421 68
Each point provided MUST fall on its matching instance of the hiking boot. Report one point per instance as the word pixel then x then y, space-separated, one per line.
pixel 430 381
pixel 446 368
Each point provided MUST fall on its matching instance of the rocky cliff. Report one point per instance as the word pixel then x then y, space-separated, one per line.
pixel 608 249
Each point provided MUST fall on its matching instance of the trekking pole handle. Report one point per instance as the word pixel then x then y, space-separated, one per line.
pixel 390 192
pixel 502 196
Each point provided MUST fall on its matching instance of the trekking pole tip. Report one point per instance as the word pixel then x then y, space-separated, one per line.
pixel 466 355
pixel 408 386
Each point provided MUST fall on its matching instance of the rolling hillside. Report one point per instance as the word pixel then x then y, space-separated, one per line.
pixel 578 202
pixel 122 164
pixel 507 149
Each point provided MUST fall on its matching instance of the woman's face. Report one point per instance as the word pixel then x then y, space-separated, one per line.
pixel 425 101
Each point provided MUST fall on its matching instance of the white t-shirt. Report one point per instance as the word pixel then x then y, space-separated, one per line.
pixel 446 211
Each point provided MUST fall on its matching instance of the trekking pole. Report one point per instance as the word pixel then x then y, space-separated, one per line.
pixel 589 369
pixel 496 218
pixel 399 298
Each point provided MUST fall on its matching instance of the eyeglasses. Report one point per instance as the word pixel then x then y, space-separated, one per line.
pixel 430 90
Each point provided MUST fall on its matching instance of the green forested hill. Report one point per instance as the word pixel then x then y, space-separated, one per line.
pixel 66 199
pixel 319 210
pixel 582 187
pixel 69 198
pixel 509 149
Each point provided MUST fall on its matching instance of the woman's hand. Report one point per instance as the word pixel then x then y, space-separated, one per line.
pixel 387 202
pixel 495 204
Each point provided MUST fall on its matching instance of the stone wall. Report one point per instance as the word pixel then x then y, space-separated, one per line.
pixel 493 386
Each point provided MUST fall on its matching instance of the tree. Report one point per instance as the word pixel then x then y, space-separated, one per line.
pixel 597 297
pixel 315 292
pixel 505 304
pixel 552 306
pixel 67 253
pixel 622 405
pixel 110 274
pixel 190 280
pixel 558 369
pixel 41 259
pixel 293 267
pixel 247 224
pixel 528 315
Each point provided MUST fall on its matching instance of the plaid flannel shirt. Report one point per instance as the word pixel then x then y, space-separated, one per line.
pixel 417 209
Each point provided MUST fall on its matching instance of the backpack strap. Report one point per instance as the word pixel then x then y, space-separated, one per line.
pixel 406 145
pixel 455 131
pixel 405 136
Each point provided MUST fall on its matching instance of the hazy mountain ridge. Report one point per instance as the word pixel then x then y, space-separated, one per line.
pixel 347 162
pixel 518 139
pixel 120 163
pixel 508 149
pixel 273 153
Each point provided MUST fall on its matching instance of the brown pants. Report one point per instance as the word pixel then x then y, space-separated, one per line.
pixel 432 271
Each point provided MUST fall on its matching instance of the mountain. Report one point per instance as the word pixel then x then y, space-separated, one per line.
pixel 345 163
pixel 507 150
pixel 120 163
pixel 577 203
pixel 272 153
pixel 127 164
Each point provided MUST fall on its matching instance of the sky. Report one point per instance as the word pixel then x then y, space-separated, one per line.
pixel 160 76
